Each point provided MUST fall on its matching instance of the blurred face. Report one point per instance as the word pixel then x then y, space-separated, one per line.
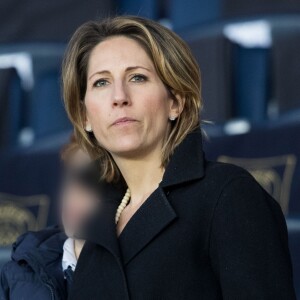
pixel 78 201
pixel 127 105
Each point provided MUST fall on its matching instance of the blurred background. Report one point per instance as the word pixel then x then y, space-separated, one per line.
pixel 249 56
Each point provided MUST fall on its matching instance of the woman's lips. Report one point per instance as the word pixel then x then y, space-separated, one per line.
pixel 123 121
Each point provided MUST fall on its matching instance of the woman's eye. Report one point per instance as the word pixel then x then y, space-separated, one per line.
pixel 100 83
pixel 138 78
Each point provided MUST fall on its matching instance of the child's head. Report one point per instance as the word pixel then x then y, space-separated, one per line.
pixel 78 201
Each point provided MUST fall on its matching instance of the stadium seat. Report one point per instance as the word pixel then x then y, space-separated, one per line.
pixel 286 62
pixel 46 21
pixel 29 186
pixel 184 15
pixel 46 113
pixel 213 54
pixel 147 8
pixel 251 80
pixel 271 152
pixel 12 101
pixel 37 94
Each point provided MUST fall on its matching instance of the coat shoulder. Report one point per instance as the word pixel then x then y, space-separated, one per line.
pixel 233 180
pixel 225 171
pixel 12 270
pixel 220 177
pixel 32 240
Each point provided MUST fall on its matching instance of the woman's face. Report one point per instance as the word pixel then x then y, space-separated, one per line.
pixel 78 201
pixel 127 105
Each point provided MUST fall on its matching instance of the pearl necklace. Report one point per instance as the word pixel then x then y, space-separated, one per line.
pixel 122 205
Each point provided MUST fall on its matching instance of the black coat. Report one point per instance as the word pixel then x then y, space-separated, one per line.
pixel 209 231
pixel 35 271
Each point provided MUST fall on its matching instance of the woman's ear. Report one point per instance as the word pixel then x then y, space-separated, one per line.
pixel 177 102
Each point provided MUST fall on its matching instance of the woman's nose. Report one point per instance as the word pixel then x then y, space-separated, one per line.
pixel 120 96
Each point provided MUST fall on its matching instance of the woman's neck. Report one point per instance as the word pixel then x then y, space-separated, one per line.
pixel 141 175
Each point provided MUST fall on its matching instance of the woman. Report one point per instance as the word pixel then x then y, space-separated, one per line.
pixel 172 225
pixel 41 260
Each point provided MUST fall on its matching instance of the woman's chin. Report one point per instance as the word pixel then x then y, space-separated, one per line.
pixel 126 152
pixel 126 147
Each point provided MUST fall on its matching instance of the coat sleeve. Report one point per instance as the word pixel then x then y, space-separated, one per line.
pixel 4 287
pixel 249 244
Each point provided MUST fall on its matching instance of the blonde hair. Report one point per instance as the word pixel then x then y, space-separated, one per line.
pixel 174 64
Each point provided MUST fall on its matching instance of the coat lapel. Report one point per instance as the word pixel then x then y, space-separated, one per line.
pixel 186 164
pixel 154 215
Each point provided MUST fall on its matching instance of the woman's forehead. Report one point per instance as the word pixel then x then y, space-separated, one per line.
pixel 118 52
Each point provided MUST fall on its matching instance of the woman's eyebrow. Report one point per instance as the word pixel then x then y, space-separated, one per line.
pixel 126 70
pixel 99 73
pixel 137 67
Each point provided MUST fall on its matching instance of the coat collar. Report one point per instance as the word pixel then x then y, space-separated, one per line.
pixel 186 164
pixel 187 161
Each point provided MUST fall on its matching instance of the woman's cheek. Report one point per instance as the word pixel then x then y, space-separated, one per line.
pixel 97 112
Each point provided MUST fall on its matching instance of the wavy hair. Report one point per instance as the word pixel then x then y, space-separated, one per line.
pixel 174 64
